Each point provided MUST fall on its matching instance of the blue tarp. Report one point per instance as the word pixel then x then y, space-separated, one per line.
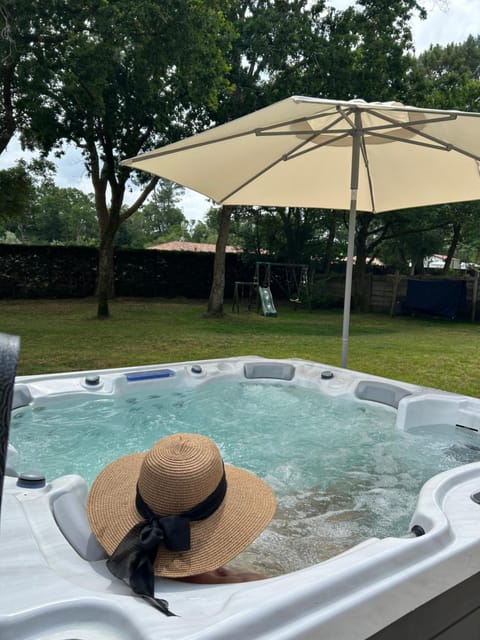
pixel 444 298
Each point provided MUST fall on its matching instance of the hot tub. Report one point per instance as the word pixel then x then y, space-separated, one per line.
pixel 424 577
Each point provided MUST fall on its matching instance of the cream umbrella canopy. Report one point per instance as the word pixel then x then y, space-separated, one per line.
pixel 310 152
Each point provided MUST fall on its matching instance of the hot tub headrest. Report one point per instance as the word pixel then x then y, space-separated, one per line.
pixel 275 370
pixel 383 392
pixel 71 517
pixel 21 396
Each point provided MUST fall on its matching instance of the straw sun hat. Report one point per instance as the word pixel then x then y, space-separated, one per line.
pixel 179 473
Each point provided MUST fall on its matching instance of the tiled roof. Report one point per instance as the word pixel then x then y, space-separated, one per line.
pixel 180 245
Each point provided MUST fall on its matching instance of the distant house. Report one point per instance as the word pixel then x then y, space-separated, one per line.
pixel 437 261
pixel 201 247
pixel 375 262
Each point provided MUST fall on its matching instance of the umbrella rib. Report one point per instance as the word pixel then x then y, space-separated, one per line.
pixel 160 152
pixel 439 146
pixel 437 143
pixel 372 129
pixel 312 133
pixel 291 155
pixel 262 171
pixel 259 132
pixel 363 149
pixel 315 116
pixel 251 179
pixel 448 146
pixel 265 131
pixel 412 123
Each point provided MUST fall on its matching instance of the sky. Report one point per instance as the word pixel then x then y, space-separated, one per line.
pixel 448 21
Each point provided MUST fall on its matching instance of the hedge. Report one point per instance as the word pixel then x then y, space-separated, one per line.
pixel 70 272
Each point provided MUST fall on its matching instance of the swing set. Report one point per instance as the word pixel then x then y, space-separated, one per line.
pixel 292 279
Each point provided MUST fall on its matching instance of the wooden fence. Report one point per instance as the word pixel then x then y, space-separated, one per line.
pixel 387 293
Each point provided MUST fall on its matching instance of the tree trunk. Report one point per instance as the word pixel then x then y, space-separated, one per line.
pixel 360 297
pixel 217 292
pixel 105 276
pixel 457 227
pixel 8 123
pixel 328 258
pixel 289 217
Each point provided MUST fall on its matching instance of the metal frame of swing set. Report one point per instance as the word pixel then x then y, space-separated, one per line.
pixel 258 281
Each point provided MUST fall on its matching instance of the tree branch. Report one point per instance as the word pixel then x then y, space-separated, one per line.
pixel 140 200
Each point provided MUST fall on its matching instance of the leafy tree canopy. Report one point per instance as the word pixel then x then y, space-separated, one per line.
pixel 55 215
pixel 449 77
pixel 125 77
pixel 16 189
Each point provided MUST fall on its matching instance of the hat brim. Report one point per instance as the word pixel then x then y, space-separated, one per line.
pixel 248 507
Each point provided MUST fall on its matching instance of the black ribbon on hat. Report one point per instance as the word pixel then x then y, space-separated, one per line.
pixel 134 559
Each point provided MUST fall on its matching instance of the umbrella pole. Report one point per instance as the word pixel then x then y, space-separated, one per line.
pixel 348 285
pixel 351 237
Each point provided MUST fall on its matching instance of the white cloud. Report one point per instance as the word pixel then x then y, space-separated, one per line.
pixel 195 205
pixel 73 172
pixel 71 169
pixel 447 21
pixel 13 153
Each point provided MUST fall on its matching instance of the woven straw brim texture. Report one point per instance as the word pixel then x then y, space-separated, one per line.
pixel 246 510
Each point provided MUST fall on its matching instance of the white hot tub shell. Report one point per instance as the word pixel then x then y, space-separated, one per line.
pixel 56 585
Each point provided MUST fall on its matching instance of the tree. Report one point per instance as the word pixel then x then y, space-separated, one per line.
pixel 295 47
pixel 270 38
pixel 59 216
pixel 259 230
pixel 468 247
pixel 201 232
pixel 9 59
pixel 131 76
pixel 403 239
pixel 16 187
pixel 131 233
pixel 206 230
pixel 381 60
pixel 15 23
pixel 449 77
pixel 215 300
pixel 27 30
pixel 294 234
pixel 162 218
pixel 365 53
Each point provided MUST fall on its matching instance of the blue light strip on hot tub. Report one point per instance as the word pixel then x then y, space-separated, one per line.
pixel 149 375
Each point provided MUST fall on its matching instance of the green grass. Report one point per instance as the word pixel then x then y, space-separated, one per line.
pixel 65 335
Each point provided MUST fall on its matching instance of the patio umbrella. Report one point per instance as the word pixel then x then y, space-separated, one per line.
pixel 351 155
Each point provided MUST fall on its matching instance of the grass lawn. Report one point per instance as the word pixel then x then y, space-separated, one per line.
pixel 65 335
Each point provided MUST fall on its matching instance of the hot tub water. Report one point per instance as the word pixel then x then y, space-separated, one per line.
pixel 341 470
